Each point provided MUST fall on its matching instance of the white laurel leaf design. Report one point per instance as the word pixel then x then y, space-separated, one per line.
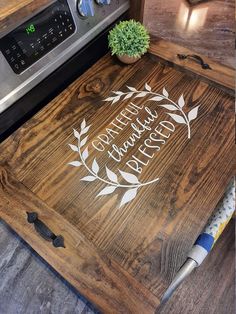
pixel 181 101
pixel 76 134
pixel 129 177
pixel 156 98
pixel 85 130
pixel 193 113
pixel 111 175
pixel 142 94
pixel 165 93
pixel 129 95
pixel 83 124
pixel 75 163
pixel 74 148
pixel 88 178
pixel 128 196
pixel 147 87
pixel 169 107
pixel 107 190
pixel 83 142
pixel 182 119
pixel 132 181
pixel 85 154
pixel 132 89
pixel 177 118
pixel 95 166
pixel 109 99
pixel 115 99
pixel 112 183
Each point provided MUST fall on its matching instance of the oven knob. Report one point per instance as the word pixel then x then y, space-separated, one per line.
pixel 103 2
pixel 85 8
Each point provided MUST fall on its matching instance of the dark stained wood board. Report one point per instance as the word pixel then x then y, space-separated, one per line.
pixel 137 10
pixel 220 75
pixel 100 279
pixel 149 237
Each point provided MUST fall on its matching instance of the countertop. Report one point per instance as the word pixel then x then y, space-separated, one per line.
pixel 207 27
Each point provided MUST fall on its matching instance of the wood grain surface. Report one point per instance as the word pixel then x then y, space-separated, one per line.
pixel 137 10
pixel 147 239
pixel 207 28
pixel 221 75
pixel 29 285
pixel 14 12
pixel 99 278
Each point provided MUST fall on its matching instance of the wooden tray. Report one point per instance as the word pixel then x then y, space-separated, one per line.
pixel 128 219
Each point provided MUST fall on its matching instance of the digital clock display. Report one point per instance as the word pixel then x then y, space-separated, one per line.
pixel 33 39
pixel 30 29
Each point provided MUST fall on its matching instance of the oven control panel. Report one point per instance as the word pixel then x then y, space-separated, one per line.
pixel 33 39
pixel 41 44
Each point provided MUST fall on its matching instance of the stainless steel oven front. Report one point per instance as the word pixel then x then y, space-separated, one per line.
pixel 34 49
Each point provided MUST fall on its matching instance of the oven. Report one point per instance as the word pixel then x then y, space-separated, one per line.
pixel 46 52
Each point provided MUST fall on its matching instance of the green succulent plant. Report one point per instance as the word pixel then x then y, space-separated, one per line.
pixel 129 38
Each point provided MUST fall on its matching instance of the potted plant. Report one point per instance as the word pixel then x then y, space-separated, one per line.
pixel 128 40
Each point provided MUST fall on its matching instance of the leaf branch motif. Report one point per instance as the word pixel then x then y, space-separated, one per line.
pixel 171 106
pixel 132 183
pixel 112 183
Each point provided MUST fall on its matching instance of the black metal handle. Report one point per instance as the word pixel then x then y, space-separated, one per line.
pixel 196 58
pixel 44 231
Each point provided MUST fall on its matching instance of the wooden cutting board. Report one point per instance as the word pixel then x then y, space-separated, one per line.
pixel 126 164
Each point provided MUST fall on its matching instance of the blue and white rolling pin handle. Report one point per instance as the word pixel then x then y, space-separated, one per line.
pixel 206 240
pixel 214 227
